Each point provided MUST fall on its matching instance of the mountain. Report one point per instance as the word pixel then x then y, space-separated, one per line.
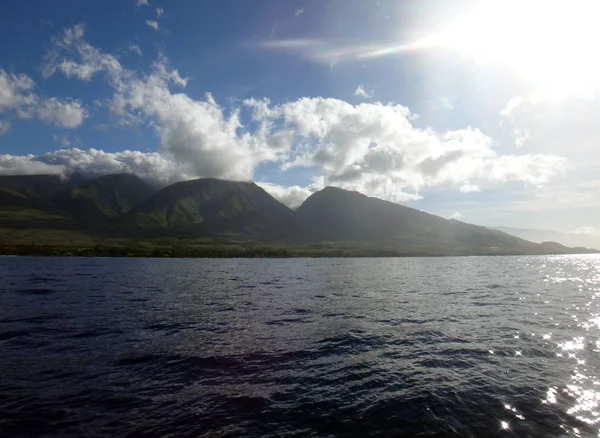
pixel 567 239
pixel 212 206
pixel 48 200
pixel 104 197
pixel 333 221
pixel 29 200
pixel 339 215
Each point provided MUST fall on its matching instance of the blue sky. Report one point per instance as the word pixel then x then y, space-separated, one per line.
pixel 447 106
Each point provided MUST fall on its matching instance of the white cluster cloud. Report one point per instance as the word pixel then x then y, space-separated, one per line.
pixel 15 92
pixel 16 95
pixel 291 196
pixel 362 92
pixel 375 149
pixel 371 147
pixel 91 162
pixel 140 3
pixel 160 12
pixel 468 188
pixel 67 114
pixel 153 24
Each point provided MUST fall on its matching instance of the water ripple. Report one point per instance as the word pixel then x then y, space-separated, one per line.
pixel 473 346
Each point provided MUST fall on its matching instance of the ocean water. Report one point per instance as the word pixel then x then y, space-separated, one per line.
pixel 465 346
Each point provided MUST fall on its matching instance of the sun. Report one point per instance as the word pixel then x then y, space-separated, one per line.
pixel 552 44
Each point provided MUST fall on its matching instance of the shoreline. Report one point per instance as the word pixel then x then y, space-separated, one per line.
pixel 245 252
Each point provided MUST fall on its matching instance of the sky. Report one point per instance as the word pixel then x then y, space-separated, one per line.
pixel 483 111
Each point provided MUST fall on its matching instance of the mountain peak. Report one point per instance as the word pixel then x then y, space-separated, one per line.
pixel 210 205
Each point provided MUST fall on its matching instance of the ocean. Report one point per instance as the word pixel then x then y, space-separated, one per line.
pixel 457 346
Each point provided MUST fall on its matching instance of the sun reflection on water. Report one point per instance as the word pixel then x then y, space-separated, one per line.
pixel 581 394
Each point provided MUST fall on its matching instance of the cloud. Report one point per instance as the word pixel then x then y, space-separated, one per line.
pixel 92 61
pixel 26 165
pixel 16 95
pixel 294 43
pixel 361 92
pixel 4 127
pixel 291 196
pixel 153 24
pixel 585 230
pixel 299 12
pixel 92 162
pixel 328 51
pixel 514 113
pixel 468 188
pixel 456 215
pixel 66 113
pixel 566 126
pixel 135 49
pixel 15 92
pixel 160 12
pixel 442 102
pixel 64 141
pixel 375 149
pixel 140 3
pixel 370 147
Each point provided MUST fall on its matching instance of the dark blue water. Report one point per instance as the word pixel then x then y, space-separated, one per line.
pixel 473 346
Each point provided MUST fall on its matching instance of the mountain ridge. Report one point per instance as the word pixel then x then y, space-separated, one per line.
pixel 123 206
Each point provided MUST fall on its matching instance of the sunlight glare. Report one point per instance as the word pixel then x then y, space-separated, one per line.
pixel 549 43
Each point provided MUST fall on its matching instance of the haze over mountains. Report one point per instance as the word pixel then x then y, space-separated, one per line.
pixel 125 205
pixel 567 239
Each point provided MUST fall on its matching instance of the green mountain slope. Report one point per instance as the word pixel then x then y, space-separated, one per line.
pixel 211 206
pixel 339 215
pixel 26 200
pixel 105 197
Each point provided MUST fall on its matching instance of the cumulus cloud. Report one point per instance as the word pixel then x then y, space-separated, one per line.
pixel 362 92
pixel 66 113
pixel 26 165
pixel 468 188
pixel 92 162
pixel 153 24
pixel 160 12
pixel 291 196
pixel 370 147
pixel 15 92
pixel 140 3
pixel 299 11
pixel 16 95
pixel 375 149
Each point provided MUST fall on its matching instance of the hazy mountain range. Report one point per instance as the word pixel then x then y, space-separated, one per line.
pixel 124 205
pixel 567 239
